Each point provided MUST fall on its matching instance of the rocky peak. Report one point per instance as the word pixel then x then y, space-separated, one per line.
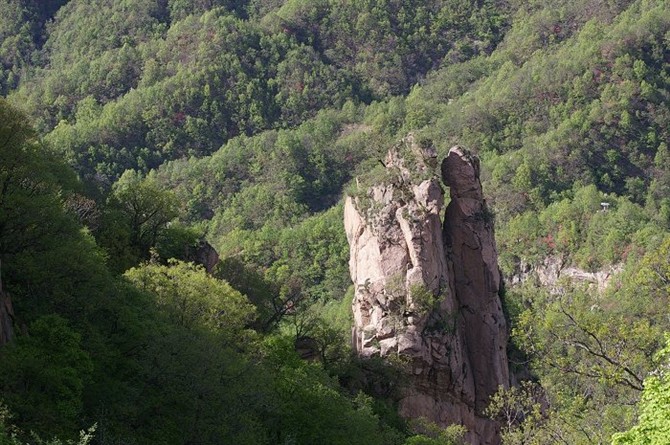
pixel 470 244
pixel 428 292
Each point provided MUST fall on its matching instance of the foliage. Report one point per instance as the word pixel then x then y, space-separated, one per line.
pixel 294 266
pixel 43 376
pixel 653 425
pixel 85 437
pixel 431 434
pixel 122 353
pixel 312 410
pixel 244 122
pixel 30 175
pixel 519 412
pixel 592 351
pixel 128 85
pixel 136 218
pixel 577 229
pixel 191 298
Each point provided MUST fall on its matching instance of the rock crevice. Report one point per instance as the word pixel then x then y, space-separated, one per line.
pixel 428 291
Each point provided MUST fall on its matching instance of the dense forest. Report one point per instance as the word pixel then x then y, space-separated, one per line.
pixel 134 134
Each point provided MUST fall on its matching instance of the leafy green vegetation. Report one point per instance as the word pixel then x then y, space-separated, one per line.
pixel 150 127
pixel 653 427
pixel 163 354
pixel 120 85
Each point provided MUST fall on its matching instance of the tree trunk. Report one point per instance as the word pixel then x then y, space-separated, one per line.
pixel 6 314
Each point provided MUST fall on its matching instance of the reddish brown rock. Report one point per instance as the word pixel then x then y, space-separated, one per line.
pixel 471 248
pixel 433 302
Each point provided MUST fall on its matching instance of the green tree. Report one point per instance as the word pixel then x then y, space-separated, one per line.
pixel 653 427
pixel 31 179
pixel 146 206
pixel 428 433
pixel 43 375
pixel 310 407
pixel 192 298
pixel 138 212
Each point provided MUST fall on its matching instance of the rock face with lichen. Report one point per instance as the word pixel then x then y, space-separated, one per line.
pixel 428 292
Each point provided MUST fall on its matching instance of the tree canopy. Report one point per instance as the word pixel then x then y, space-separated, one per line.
pixel 135 132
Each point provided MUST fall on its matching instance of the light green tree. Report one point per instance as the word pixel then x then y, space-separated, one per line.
pixel 146 206
pixel 192 298
pixel 653 427
pixel 138 212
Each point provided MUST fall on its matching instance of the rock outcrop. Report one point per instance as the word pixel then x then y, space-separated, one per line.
pixel 553 273
pixel 204 254
pixel 468 234
pixel 428 292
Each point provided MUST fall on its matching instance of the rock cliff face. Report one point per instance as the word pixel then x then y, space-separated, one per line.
pixel 428 292
pixel 553 273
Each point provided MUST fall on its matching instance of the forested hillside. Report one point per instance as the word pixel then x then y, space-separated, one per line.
pixel 134 132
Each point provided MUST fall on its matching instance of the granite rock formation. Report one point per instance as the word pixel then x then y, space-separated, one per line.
pixel 428 291
pixel 553 273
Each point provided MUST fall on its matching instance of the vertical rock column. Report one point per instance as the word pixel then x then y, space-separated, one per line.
pixel 473 263
pixel 411 288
